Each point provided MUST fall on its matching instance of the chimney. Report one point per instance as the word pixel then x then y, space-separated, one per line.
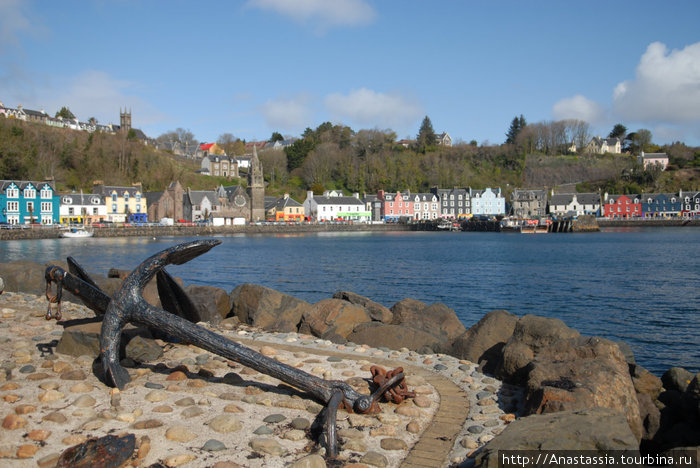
pixel 286 196
pixel 137 186
pixel 98 186
pixel 309 194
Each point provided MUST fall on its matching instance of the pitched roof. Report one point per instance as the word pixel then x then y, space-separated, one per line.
pixel 197 196
pixel 323 200
pixel 206 146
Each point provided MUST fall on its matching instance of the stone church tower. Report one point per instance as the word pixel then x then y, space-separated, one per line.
pixel 124 120
pixel 256 188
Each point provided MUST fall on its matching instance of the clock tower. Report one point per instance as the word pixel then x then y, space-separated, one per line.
pixel 256 188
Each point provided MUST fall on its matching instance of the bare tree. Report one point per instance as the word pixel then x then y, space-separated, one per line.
pixel 319 163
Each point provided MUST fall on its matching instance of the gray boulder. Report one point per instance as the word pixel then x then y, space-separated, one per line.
pixel 266 308
pixel 376 311
pixel 436 319
pixel 594 429
pixel 84 339
pixel 24 276
pixel 393 337
pixel 332 318
pixel 530 335
pixel 579 373
pixel 676 378
pixel 213 304
pixel 483 343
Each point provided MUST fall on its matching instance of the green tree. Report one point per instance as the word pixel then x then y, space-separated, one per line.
pixel 426 135
pixel 618 131
pixel 298 151
pixel 276 136
pixel 516 126
pixel 639 140
pixel 65 113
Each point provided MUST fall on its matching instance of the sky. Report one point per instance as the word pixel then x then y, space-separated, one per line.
pixel 254 67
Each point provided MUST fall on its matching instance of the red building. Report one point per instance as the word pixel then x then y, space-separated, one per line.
pixel 622 206
pixel 396 206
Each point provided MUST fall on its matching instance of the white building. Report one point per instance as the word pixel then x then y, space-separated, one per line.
pixel 81 208
pixel 574 204
pixel 426 206
pixel 488 202
pixel 333 206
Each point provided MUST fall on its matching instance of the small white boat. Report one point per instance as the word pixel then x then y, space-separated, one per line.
pixel 77 233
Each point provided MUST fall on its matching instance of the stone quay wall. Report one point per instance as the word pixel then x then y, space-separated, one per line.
pixel 41 232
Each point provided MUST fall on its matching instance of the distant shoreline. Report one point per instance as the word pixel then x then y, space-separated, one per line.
pixel 282 229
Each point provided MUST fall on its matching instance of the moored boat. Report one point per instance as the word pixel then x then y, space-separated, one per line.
pixel 77 233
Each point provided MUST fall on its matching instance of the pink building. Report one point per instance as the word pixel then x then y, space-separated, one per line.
pixel 396 206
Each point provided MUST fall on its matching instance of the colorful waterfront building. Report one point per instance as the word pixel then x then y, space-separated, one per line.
pixel 123 204
pixel 396 206
pixel 622 206
pixel 28 202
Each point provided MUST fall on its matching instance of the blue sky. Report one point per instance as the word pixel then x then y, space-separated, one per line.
pixel 254 67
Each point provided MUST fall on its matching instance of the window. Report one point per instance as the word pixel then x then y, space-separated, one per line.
pixel 126 197
pixel 45 193
pixel 71 211
pixel 13 193
pixel 114 198
pixel 30 206
pixel 138 196
pixel 12 206
pixel 29 193
pixel 114 207
pixel 138 208
pixel 94 211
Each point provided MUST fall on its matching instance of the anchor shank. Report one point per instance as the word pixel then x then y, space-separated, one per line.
pixel 218 344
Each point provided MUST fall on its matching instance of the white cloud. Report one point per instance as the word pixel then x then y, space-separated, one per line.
pixel 91 93
pixel 323 13
pixel 288 114
pixel 369 108
pixel 666 87
pixel 578 107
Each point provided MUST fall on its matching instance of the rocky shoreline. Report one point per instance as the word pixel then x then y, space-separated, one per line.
pixel 507 382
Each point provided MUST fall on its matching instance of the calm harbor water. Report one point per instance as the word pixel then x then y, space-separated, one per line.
pixel 637 285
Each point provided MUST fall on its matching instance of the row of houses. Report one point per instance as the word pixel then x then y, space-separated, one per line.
pixel 36 202
pixel 537 204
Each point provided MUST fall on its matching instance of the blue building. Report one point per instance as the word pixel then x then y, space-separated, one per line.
pixel 28 202
pixel 661 205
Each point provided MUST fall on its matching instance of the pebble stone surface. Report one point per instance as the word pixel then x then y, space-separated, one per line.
pixel 193 408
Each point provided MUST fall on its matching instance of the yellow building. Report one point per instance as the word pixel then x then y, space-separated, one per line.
pixel 123 204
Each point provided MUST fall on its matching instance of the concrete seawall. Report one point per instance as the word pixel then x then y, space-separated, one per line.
pixel 678 222
pixel 192 231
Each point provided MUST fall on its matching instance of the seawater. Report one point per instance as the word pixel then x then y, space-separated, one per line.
pixel 640 286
